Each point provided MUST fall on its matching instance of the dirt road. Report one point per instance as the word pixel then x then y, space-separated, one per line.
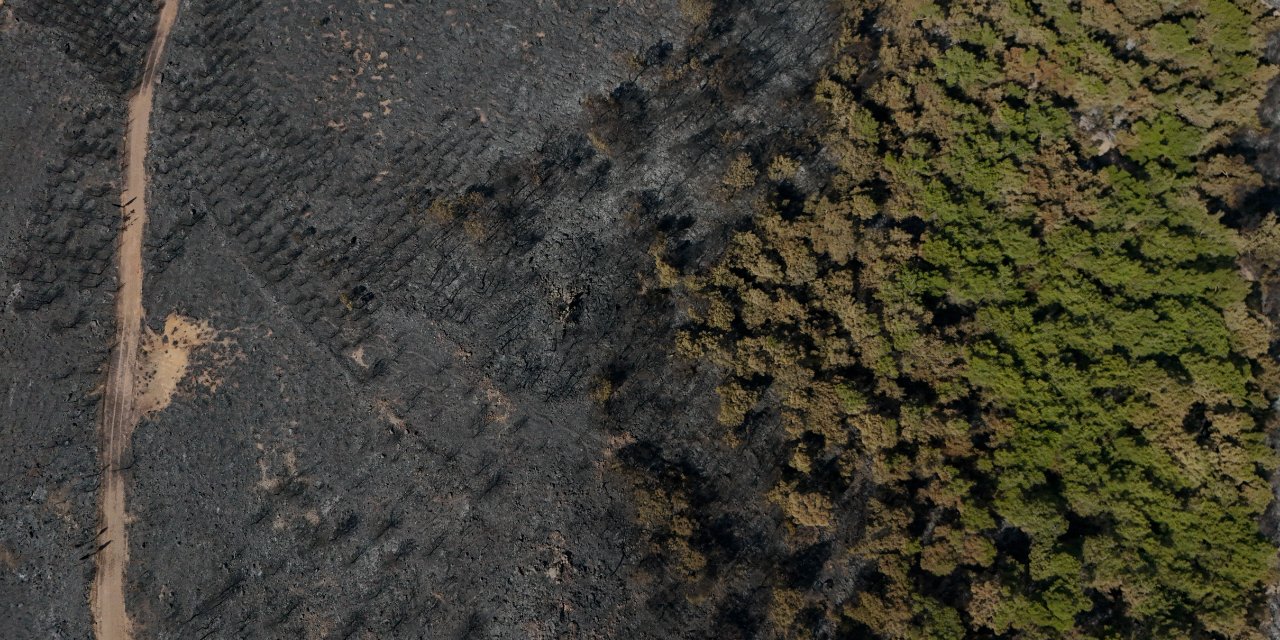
pixel 120 411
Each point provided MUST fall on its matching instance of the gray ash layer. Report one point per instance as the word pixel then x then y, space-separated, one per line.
pixel 424 231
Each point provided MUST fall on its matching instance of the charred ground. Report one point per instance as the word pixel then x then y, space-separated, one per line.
pixel 424 236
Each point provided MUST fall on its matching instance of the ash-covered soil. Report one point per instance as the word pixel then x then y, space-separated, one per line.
pixel 421 235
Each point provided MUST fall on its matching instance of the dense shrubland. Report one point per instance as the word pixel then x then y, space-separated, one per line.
pixel 1015 312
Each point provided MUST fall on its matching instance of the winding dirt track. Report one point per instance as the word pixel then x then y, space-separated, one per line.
pixel 120 412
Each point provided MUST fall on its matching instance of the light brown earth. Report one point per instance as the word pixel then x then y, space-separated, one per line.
pixel 121 408
pixel 166 359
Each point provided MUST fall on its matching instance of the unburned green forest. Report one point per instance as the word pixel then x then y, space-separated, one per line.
pixel 1013 337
